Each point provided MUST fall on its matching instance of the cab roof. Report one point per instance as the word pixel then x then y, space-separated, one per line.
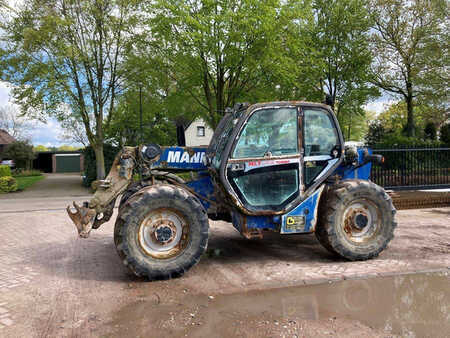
pixel 287 103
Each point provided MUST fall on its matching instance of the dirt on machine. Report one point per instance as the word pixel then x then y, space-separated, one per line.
pixel 281 167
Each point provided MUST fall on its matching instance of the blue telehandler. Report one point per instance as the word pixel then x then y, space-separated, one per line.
pixel 278 166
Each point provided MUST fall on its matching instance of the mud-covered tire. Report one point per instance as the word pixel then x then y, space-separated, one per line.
pixel 356 219
pixel 159 178
pixel 131 190
pixel 158 204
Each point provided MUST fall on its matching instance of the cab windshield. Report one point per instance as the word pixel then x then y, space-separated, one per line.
pixel 268 132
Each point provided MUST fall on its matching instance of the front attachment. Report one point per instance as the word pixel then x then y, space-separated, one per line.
pixel 83 218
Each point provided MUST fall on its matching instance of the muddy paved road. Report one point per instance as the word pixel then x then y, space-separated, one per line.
pixel 53 284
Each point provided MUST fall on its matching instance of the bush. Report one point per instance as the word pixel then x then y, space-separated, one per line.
pixel 26 173
pixel 445 134
pixel 375 133
pixel 90 166
pixel 430 131
pixel 8 184
pixel 394 140
pixel 21 152
pixel 5 170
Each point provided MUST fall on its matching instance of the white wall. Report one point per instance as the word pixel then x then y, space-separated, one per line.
pixel 192 140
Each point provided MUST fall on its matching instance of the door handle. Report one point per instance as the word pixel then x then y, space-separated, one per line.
pixel 236 167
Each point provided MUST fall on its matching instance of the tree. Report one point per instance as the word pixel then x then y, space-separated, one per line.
pixel 73 130
pixel 21 152
pixel 331 57
pixel 40 148
pixel 17 126
pixel 67 148
pixel 355 126
pixel 343 57
pixel 394 119
pixel 444 134
pixel 341 38
pixel 411 50
pixel 430 131
pixel 64 58
pixel 375 133
pixel 217 51
pixel 158 123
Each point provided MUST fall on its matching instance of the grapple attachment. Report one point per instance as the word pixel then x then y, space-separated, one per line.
pixel 83 218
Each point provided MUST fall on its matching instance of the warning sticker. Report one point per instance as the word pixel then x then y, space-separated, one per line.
pixel 267 163
pixel 295 222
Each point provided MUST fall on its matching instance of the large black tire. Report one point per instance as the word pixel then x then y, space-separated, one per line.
pixel 156 207
pixel 160 178
pixel 131 190
pixel 356 219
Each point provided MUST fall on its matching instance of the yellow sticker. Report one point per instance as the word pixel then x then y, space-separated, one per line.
pixel 290 221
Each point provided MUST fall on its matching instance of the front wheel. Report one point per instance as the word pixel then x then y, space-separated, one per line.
pixel 161 232
pixel 356 219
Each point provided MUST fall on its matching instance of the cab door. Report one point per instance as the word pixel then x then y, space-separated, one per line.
pixel 323 145
pixel 263 167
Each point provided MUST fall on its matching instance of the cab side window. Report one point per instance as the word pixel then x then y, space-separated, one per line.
pixel 320 133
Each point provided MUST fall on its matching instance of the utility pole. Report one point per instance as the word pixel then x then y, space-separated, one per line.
pixel 140 114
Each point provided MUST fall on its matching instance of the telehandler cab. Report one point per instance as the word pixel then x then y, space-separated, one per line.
pixel 279 166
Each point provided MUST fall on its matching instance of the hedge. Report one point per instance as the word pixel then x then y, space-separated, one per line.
pixel 8 184
pixel 394 141
pixel 5 171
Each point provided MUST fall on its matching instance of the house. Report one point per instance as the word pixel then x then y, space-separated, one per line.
pixel 5 139
pixel 198 133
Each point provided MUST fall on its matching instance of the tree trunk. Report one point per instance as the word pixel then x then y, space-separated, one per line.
pixel 100 161
pixel 410 127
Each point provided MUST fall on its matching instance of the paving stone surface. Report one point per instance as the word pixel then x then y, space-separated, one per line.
pixel 55 284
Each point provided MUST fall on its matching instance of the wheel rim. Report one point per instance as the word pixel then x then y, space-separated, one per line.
pixel 163 233
pixel 361 221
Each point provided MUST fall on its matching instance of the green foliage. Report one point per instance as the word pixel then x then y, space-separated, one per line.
pixel 375 133
pixel 393 140
pixel 411 52
pixel 67 148
pixel 5 170
pixel 342 57
pixel 355 126
pixel 40 148
pixel 430 131
pixel 21 152
pixel 392 123
pixel 26 173
pixel 218 52
pixel 8 184
pixel 158 122
pixel 90 167
pixel 64 59
pixel 444 134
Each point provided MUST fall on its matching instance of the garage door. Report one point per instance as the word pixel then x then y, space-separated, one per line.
pixel 67 163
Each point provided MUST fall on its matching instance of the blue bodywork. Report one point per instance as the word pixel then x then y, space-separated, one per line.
pixel 189 159
pixel 349 171
pixel 301 219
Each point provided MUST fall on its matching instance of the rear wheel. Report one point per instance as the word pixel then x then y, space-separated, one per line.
pixel 356 220
pixel 161 232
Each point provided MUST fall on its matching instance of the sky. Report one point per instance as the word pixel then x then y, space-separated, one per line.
pixel 48 134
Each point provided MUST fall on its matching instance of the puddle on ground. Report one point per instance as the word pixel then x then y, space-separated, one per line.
pixel 408 305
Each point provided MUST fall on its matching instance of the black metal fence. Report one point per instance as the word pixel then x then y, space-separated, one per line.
pixel 409 167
